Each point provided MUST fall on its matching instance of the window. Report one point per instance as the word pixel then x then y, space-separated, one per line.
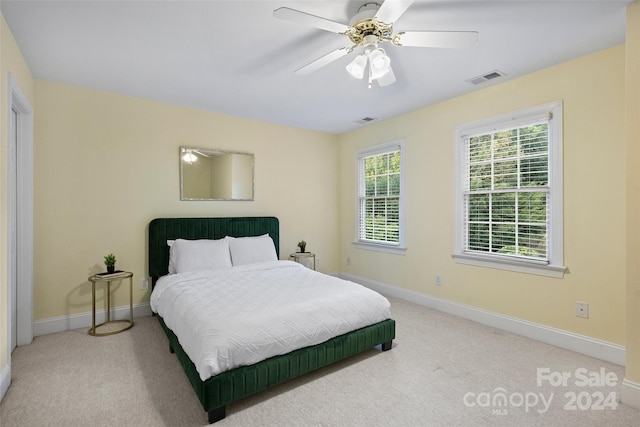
pixel 380 217
pixel 509 201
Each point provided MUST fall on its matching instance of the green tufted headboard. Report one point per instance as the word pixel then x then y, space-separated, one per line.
pixel 163 229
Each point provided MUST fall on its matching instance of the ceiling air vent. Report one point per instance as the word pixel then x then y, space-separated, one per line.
pixel 486 77
pixel 365 120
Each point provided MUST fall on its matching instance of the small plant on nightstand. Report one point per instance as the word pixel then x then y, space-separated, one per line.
pixel 110 262
pixel 302 245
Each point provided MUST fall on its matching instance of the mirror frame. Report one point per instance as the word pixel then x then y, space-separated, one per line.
pixel 215 151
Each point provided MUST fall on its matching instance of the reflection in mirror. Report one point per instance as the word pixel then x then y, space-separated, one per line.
pixel 207 174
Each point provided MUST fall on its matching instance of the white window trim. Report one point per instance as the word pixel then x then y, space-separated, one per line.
pixel 555 267
pixel 395 248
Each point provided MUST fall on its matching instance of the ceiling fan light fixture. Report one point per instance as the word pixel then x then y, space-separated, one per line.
pixel 379 63
pixel 357 66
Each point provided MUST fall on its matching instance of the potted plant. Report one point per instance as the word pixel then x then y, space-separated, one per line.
pixel 110 262
pixel 302 245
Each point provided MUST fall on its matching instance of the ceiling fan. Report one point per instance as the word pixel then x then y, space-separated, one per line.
pixel 370 27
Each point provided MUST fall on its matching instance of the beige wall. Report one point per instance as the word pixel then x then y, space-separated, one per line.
pixel 105 165
pixel 592 89
pixel 632 89
pixel 11 61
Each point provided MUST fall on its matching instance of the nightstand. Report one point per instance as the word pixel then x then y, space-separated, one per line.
pixel 113 277
pixel 297 256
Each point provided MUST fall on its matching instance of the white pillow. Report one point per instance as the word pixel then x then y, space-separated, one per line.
pixel 247 250
pixel 172 257
pixel 197 255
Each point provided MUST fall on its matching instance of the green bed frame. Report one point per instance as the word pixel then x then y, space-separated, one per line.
pixel 217 392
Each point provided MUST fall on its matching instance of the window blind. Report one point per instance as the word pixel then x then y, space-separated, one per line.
pixel 506 191
pixel 379 177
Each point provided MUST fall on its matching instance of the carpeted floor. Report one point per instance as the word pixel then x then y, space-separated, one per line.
pixel 442 371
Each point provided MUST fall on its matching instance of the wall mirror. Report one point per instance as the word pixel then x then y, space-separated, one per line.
pixel 210 174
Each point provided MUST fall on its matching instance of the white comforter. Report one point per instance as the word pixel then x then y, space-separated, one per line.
pixel 245 314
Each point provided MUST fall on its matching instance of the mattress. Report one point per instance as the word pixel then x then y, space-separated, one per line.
pixel 239 316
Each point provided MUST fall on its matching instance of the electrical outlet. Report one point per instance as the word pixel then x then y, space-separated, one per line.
pixel 144 283
pixel 582 309
pixel 438 280
pixel 348 260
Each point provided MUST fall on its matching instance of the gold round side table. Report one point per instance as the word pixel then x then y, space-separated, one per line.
pixel 128 323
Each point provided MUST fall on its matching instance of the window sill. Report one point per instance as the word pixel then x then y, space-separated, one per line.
pixel 398 250
pixel 519 266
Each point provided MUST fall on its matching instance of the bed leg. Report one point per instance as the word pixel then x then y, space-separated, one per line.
pixel 171 350
pixel 217 414
pixel 386 346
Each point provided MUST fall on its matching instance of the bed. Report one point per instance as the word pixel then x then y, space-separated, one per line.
pixel 226 384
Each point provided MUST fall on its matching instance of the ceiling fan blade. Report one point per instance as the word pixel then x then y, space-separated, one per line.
pixel 303 18
pixel 391 10
pixel 322 61
pixel 387 79
pixel 448 39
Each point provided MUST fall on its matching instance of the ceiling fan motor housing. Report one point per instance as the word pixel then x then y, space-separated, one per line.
pixel 363 24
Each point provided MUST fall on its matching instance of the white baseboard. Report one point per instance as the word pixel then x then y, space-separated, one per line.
pixel 83 320
pixel 602 350
pixel 630 394
pixel 5 380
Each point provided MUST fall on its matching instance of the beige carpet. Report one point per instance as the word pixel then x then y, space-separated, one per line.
pixel 442 371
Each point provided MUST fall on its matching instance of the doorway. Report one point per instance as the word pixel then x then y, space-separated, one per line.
pixel 19 218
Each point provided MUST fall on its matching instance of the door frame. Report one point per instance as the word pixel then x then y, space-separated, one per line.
pixel 21 182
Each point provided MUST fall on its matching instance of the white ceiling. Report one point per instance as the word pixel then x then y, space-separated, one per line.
pixel 234 57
